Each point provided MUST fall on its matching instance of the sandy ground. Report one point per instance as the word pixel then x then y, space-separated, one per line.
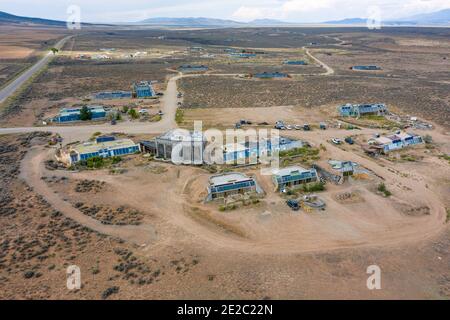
pixel 19 42
pixel 373 222
pixel 246 254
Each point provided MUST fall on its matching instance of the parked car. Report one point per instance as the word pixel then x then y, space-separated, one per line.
pixel 237 125
pixel 306 127
pixel 160 113
pixel 298 127
pixel 289 127
pixel 336 141
pixel 293 204
pixel 349 140
pixel 280 125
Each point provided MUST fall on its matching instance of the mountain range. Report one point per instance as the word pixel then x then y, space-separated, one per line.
pixel 10 18
pixel 439 18
pixel 208 22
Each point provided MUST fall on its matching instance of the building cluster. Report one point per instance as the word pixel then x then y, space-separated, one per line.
pixel 336 171
pixel 190 146
pixel 104 147
pixel 295 62
pixel 140 90
pixel 357 110
pixel 186 68
pixel 74 114
pixel 111 95
pixel 224 185
pixel 366 68
pixel 395 141
pixel 292 177
pixel 270 75
pixel 244 55
pixel 143 89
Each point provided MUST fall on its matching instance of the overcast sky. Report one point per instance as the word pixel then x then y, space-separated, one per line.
pixel 240 10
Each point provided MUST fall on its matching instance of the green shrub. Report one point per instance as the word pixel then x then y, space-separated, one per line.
pixel 313 187
pixel 179 116
pixel 133 114
pixel 304 151
pixel 116 159
pixel 85 114
pixel 95 162
pixel 382 188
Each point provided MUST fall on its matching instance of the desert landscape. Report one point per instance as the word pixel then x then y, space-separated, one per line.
pixel 138 225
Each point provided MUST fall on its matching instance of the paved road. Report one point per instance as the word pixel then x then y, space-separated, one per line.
pixel 9 90
pixel 169 105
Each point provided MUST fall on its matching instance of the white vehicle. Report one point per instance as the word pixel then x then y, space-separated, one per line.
pixel 289 127
pixel 336 141
pixel 298 127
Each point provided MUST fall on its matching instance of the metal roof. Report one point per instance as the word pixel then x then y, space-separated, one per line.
pixel 294 170
pixel 228 178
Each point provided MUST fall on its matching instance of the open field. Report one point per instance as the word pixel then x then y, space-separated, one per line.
pixel 21 47
pixel 406 64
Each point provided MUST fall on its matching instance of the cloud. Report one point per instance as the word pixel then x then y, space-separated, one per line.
pixel 306 6
pixel 289 10
pixel 251 13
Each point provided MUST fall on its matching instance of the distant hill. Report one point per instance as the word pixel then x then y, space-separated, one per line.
pixel 439 18
pixel 348 21
pixel 268 22
pixel 209 22
pixel 191 22
pixel 10 18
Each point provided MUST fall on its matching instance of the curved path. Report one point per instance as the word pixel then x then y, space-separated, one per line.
pixel 413 230
pixel 32 170
pixel 328 69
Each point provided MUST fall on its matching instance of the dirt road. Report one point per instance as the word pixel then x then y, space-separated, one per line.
pixel 32 169
pixel 329 70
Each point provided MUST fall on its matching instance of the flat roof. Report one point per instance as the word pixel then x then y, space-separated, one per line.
pixel 383 140
pixel 289 171
pixel 338 164
pixel 228 178
pixel 180 135
pixel 78 109
pixel 89 147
